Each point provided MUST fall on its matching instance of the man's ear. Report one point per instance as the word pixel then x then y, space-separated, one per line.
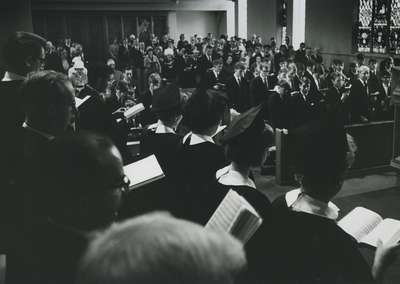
pixel 29 62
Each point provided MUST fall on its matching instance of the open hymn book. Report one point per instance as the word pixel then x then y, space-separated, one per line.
pixel 368 227
pixel 235 216
pixel 143 172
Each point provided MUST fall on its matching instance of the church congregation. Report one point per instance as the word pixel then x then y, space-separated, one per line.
pixel 207 110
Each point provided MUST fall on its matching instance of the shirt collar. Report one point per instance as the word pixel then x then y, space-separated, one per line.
pixel 10 76
pixel 300 202
pixel 197 138
pixel 228 176
pixel 41 133
pixel 162 128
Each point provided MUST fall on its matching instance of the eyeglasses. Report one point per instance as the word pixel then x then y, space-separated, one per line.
pixel 122 184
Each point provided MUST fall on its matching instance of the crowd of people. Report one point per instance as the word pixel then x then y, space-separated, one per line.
pixel 68 214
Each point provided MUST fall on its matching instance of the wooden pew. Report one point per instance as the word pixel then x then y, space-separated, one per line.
pixel 374 142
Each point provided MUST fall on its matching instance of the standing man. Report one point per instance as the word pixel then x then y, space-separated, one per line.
pixel 23 53
pixel 359 97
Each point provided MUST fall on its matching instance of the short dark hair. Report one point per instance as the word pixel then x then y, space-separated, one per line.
pixel 218 61
pixel 19 47
pixel 250 147
pixel 204 109
pixel 42 89
pixel 320 153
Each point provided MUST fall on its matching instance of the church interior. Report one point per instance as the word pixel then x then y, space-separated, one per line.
pixel 200 141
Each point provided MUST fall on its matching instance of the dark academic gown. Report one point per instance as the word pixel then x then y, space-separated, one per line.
pixel 207 201
pixel 11 119
pixel 48 253
pixel 147 117
pixel 383 110
pixel 200 162
pixel 306 248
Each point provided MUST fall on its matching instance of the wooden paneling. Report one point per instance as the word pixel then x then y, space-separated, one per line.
pixel 95 30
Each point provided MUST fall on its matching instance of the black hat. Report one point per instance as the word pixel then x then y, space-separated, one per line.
pixel 166 98
pixel 247 127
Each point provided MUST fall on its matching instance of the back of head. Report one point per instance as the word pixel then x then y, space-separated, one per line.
pixel 204 110
pixel 84 166
pixel 320 149
pixel 158 249
pixel 20 48
pixel 247 138
pixel 49 102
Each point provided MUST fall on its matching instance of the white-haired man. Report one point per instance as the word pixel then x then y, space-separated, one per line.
pixel 156 248
pixel 359 97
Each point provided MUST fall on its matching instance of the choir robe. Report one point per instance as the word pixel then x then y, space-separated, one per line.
pixel 199 162
pixel 164 194
pixel 47 253
pixel 307 248
pixel 207 201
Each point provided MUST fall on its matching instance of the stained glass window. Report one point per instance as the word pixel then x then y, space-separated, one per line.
pixel 378 26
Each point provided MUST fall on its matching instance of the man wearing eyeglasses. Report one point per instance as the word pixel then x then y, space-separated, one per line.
pixel 83 191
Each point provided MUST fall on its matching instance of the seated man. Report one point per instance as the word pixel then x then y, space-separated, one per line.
pixel 308 246
pixel 83 191
pixel 155 249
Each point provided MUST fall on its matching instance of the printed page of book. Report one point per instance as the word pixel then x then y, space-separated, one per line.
pixel 143 171
pixel 388 231
pixel 134 110
pixel 226 213
pixel 359 222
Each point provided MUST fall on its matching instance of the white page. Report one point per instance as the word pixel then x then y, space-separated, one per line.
pixel 388 231
pixel 134 110
pixel 359 222
pixel 219 129
pixel 226 213
pixel 143 170
pixel 79 102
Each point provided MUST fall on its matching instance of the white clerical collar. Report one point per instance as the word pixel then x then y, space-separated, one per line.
pixel 300 202
pixel 197 138
pixel 162 128
pixel 10 76
pixel 228 176
pixel 41 133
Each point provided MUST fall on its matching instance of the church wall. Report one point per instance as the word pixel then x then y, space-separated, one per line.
pixel 15 15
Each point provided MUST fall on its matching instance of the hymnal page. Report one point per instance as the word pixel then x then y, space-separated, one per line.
pixel 226 213
pixel 359 222
pixel 143 172
pixel 219 129
pixel 79 102
pixel 134 110
pixel 388 231
pixel 236 216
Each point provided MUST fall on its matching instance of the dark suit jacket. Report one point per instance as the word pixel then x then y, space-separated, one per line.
pixel 359 101
pixel 238 95
pixel 303 111
pixel 205 64
pixel 209 80
pixel 259 92
pixel 278 110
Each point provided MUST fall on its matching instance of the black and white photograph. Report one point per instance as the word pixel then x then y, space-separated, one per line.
pixel 199 141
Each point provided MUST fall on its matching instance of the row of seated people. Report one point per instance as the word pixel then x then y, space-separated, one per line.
pixel 64 186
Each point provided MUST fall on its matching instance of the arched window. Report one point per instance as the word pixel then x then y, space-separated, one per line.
pixel 377 27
